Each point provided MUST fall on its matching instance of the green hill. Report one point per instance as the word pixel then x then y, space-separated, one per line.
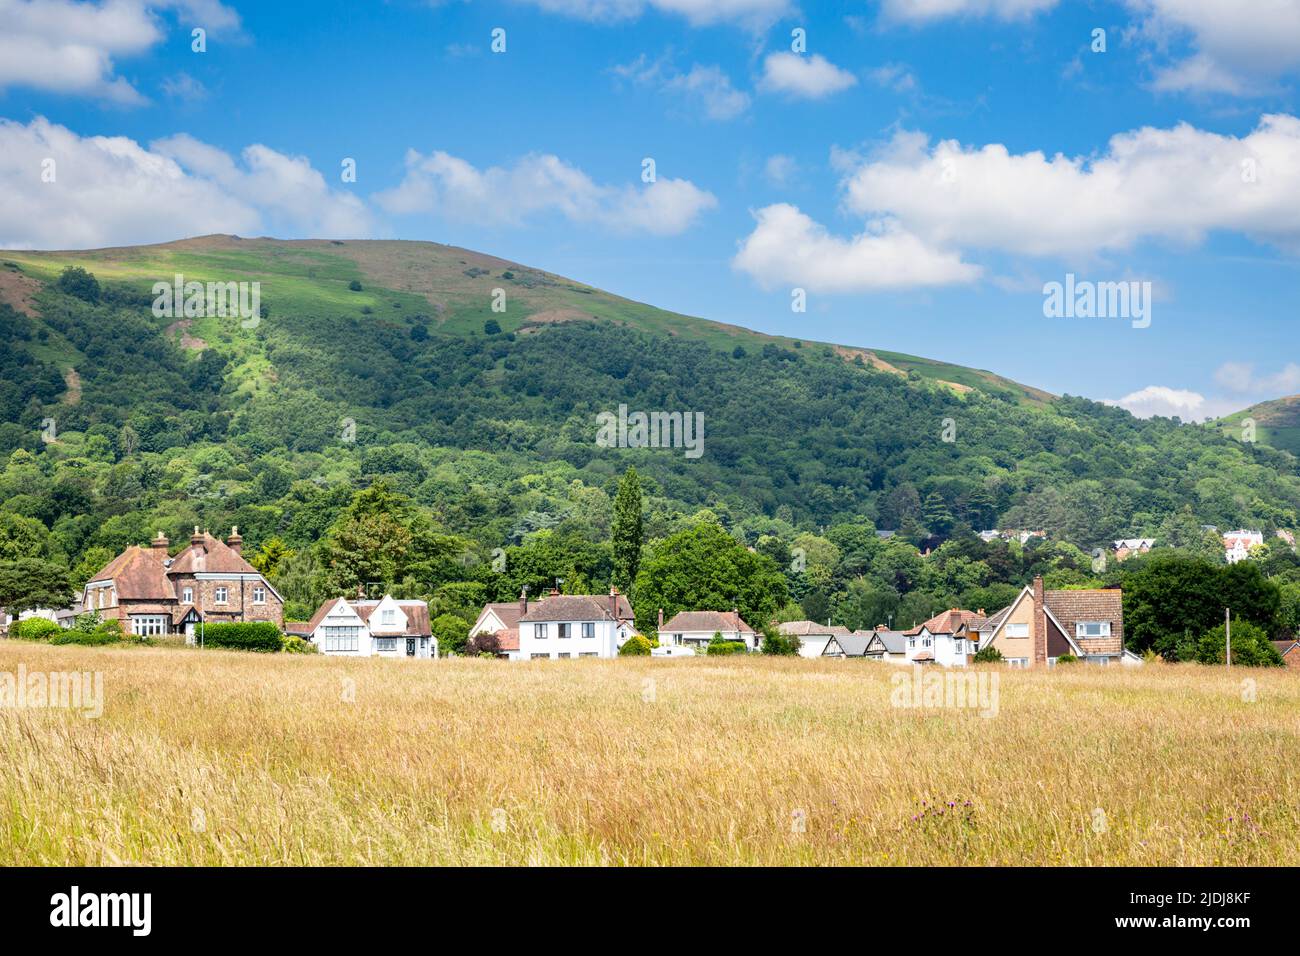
pixel 1276 423
pixel 385 360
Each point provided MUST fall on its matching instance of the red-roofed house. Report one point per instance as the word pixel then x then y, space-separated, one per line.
pixel 152 593
pixel 948 638
pixel 558 626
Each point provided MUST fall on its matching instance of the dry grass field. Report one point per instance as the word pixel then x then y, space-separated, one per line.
pixel 226 758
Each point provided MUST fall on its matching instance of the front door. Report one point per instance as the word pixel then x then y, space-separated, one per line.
pixel 410 647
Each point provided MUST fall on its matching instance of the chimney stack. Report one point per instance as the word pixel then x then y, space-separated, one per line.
pixel 661 619
pixel 523 601
pixel 235 542
pixel 196 539
pixel 159 545
pixel 613 602
pixel 1040 624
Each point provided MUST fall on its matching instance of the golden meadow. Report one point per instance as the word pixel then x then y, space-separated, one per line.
pixel 226 758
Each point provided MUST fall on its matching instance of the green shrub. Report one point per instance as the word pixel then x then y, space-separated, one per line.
pixel 988 655
pixel 293 644
pixel 635 646
pixel 1250 646
pixel 244 636
pixel 726 647
pixel 1067 659
pixel 104 635
pixel 75 280
pixel 34 629
pixel 355 285
pixel 492 327
pixel 781 645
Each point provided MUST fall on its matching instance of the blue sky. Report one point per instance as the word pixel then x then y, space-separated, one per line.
pixel 920 167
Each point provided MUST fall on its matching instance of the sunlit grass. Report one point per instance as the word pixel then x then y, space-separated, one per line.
pixel 224 758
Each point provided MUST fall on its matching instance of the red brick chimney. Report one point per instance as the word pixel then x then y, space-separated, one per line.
pixel 158 547
pixel 235 542
pixel 1040 624
pixel 196 539
pixel 523 601
pixel 613 602
pixel 661 619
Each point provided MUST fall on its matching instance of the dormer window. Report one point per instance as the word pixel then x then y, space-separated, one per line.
pixel 1092 629
pixel 187 595
pixel 390 617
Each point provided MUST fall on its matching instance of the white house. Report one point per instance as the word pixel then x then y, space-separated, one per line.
pixel 383 628
pixel 813 637
pixel 560 626
pixel 1237 544
pixel 949 639
pixel 696 628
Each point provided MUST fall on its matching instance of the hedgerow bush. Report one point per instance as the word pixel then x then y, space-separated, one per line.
pixel 262 636
pixel 34 629
pixel 726 647
pixel 293 644
pixel 635 646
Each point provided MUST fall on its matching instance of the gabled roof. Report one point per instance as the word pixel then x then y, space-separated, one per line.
pixel 1099 604
pixel 417 615
pixel 894 642
pixel 209 556
pixel 810 629
pixel 853 645
pixel 710 621
pixel 508 612
pixel 949 622
pixel 577 607
pixel 137 575
pixel 1286 647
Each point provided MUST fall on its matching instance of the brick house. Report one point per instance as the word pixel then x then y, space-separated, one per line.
pixel 209 581
pixel 1040 626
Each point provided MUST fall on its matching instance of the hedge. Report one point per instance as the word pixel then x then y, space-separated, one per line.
pixel 96 637
pixel 727 647
pixel 243 636
pixel 34 629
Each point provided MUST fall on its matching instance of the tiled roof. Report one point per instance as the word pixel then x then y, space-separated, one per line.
pixel 508 612
pixel 853 645
pixel 508 639
pixel 209 556
pixel 1285 647
pixel 417 615
pixel 1100 604
pixel 810 629
pixel 994 621
pixel 137 575
pixel 950 621
pixel 576 607
pixel 710 621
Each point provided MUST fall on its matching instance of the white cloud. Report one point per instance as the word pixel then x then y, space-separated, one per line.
pixel 1240 377
pixel 112 191
pixel 1164 401
pixel 780 170
pixel 788 248
pixel 68 47
pixel 450 187
pixel 1028 203
pixel 707 87
pixel 1241 51
pixel 182 86
pixel 805 77
pixel 894 76
pixel 921 11
pixel 754 14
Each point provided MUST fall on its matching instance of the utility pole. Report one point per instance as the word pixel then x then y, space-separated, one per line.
pixel 1227 635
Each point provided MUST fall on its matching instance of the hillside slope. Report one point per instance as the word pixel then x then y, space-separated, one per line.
pixel 378 360
pixel 1276 423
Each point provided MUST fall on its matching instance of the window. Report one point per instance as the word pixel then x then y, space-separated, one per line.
pixel 925 642
pixel 564 632
pixel 112 596
pixel 589 630
pixel 221 596
pixel 148 626
pixel 390 616
pixel 564 657
pixel 187 595
pixel 1092 629
pixel 259 595
pixel 1101 660
pixel 385 643
pixel 539 632
pixel 1017 661
pixel 587 654
pixel 1017 630
pixel 538 657
pixel 342 638
pixel 959 646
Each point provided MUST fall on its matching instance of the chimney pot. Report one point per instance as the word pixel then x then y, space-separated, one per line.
pixel 661 619
pixel 235 542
